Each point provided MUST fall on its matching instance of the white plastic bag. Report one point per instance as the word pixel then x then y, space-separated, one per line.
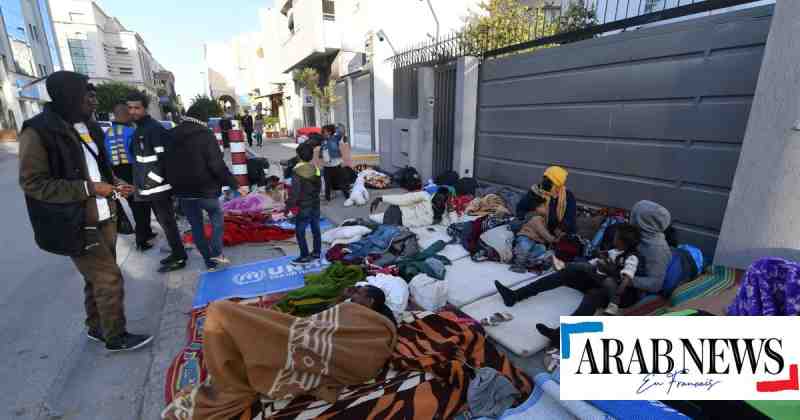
pixel 429 293
pixel 359 196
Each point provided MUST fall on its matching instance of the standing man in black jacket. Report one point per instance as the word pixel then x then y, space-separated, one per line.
pixel 247 125
pixel 149 144
pixel 69 188
pixel 197 173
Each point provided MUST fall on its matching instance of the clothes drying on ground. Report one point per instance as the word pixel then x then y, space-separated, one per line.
pixel 321 291
pixel 240 229
pixel 501 241
pixel 771 287
pixel 459 203
pixel 345 234
pixel 253 351
pixel 488 205
pixel 377 242
pixel 423 262
pixel 511 198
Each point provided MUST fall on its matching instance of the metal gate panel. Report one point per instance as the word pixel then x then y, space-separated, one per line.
pixel 340 108
pixel 362 112
pixel 444 117
pixel 653 114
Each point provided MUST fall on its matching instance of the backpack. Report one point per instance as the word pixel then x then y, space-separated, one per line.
pixel 682 268
pixel 466 186
pixel 449 178
pixel 408 178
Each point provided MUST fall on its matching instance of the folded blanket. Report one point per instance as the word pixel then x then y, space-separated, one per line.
pixel 488 205
pixel 251 351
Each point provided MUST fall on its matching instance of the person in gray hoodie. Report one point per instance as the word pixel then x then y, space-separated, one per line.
pixel 652 219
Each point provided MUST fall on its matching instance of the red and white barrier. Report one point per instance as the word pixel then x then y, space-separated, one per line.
pixel 238 156
pixel 218 135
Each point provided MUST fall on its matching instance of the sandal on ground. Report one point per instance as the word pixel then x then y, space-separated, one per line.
pixel 496 319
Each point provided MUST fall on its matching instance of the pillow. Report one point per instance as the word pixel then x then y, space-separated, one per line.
pixel 345 234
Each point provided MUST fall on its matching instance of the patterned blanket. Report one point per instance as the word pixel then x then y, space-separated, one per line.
pixel 426 377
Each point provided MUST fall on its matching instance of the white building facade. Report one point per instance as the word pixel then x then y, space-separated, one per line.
pixel 98 45
pixel 29 52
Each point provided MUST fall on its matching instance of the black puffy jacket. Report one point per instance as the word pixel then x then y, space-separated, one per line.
pixel 195 165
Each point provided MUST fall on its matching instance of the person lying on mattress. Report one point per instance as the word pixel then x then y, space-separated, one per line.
pixel 562 214
pixel 652 220
pixel 415 209
pixel 533 238
pixel 252 352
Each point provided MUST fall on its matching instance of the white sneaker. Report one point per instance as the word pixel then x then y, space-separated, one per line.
pixel 221 260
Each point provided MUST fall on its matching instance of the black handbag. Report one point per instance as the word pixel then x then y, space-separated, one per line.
pixel 124 225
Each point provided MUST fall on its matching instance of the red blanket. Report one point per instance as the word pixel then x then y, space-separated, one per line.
pixel 240 229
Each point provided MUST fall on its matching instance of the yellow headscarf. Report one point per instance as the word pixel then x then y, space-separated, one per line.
pixel 558 176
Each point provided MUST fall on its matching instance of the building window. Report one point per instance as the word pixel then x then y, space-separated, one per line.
pixel 126 70
pixel 328 10
pixel 79 54
pixel 122 50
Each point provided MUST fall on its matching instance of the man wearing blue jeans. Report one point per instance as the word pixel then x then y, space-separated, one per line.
pixel 197 172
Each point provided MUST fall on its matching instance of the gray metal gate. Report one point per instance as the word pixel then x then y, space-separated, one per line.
pixel 653 114
pixel 444 117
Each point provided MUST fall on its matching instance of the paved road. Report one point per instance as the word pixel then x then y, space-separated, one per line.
pixel 49 368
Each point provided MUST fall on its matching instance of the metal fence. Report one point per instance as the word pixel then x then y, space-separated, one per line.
pixel 554 26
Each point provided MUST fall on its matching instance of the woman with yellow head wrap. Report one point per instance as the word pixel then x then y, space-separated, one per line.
pixel 562 207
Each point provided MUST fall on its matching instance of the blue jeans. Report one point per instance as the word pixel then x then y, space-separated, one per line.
pixel 308 217
pixel 193 209
pixel 527 250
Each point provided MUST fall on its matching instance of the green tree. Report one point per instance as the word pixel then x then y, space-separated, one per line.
pixel 325 95
pixel 502 23
pixel 578 16
pixel 212 107
pixel 110 93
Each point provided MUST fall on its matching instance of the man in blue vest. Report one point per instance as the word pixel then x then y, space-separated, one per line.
pixel 118 148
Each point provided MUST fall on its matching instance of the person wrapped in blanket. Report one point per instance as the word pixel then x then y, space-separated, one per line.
pixel 254 352
pixel 415 209
pixel 533 238
pixel 652 220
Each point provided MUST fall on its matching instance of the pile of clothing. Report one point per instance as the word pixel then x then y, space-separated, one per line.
pixel 375 180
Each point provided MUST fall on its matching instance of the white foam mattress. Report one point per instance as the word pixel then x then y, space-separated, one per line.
pixel 519 335
pixel 468 281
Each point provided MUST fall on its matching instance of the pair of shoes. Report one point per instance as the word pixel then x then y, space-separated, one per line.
pixel 315 255
pixel 212 266
pixel 612 309
pixel 143 246
pixel 172 263
pixel 509 298
pixel 303 260
pixel 128 342
pixel 96 335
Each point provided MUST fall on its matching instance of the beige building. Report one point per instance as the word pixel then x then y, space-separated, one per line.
pixel 100 46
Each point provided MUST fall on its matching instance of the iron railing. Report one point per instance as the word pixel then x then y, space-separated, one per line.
pixel 554 26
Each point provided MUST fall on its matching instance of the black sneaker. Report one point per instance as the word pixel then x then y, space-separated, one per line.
pixel 171 259
pixel 96 335
pixel 128 342
pixel 175 265
pixel 303 260
pixel 315 256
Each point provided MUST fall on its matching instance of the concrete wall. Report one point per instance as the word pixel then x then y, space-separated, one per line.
pixel 467 74
pixel 762 214
pixel 657 114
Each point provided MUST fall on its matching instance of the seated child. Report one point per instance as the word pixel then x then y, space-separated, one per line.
pixel 534 238
pixel 617 267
